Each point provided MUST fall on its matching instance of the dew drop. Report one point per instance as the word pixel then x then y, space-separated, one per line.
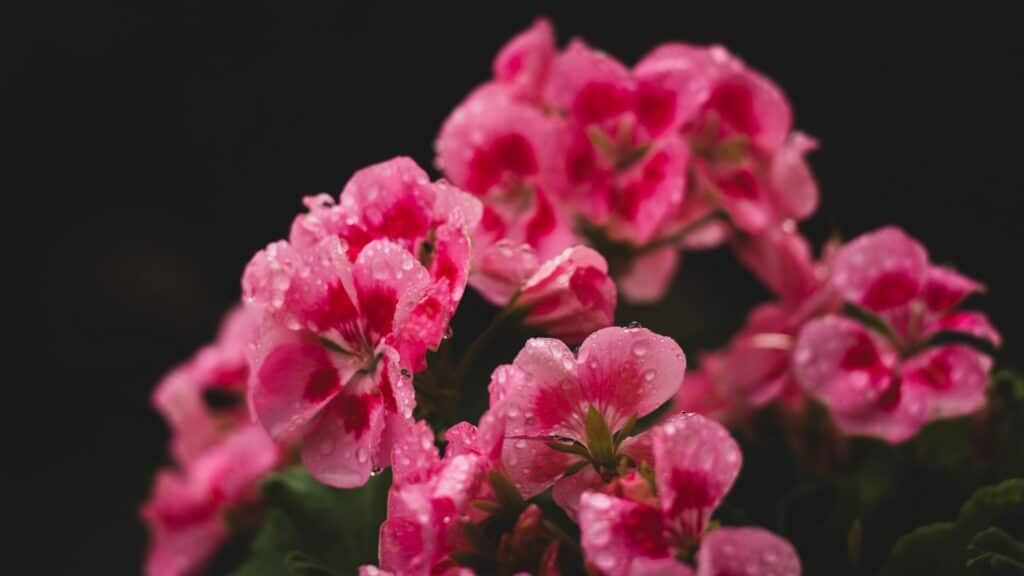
pixel 376 470
pixel 640 348
pixel 448 332
pixel 649 375
pixel 327 447
pixel 361 455
pixel 634 325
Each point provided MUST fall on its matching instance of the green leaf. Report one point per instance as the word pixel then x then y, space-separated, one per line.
pixel 948 548
pixel 948 337
pixel 871 321
pixel 630 157
pixel 602 142
pixel 930 550
pixel 599 437
pixel 506 492
pixel 573 447
pixel 993 552
pixel 316 529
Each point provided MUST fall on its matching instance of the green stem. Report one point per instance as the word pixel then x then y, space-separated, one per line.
pixel 471 401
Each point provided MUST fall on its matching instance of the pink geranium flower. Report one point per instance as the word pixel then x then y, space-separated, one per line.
pixel 643 524
pixel 220 455
pixel 395 200
pixel 186 510
pixel 567 409
pixel 890 379
pixel 568 297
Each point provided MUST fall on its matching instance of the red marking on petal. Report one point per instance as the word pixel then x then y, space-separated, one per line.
pixel 644 528
pixel 586 284
pixel 581 165
pixel 600 101
pixel 655 108
pixel 335 310
pixel 185 512
pixel 940 296
pixel 542 222
pixel 890 399
pixel 734 103
pixel 692 491
pixel 484 172
pixel 862 356
pixel 322 383
pixel 379 305
pixel 387 390
pixel 741 184
pixel 492 222
pixel 355 411
pixel 890 290
pixel 515 154
pixel 445 267
pixel 552 407
pixel 406 218
pixel 938 373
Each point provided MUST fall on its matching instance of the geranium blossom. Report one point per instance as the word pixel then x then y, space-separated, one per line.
pixel 646 524
pixel 618 376
pixel 220 454
pixel 888 380
pixel 568 297
pixel 677 151
pixel 343 327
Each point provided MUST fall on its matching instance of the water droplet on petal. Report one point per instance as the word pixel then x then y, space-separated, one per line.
pixel 361 455
pixel 649 375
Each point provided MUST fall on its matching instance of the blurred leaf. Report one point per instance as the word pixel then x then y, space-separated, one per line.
pixel 930 550
pixel 993 552
pixel 946 548
pixel 315 529
pixel 599 437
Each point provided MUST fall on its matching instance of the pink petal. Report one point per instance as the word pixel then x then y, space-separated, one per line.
pixel 659 567
pixel 880 270
pixel 310 287
pixel 944 288
pixel 615 532
pixel 490 138
pixel 522 64
pixel 342 447
pixel 650 192
pixel 954 378
pixel 567 490
pixel 234 466
pixel 373 571
pixel 570 296
pixel 549 401
pixel 973 323
pixel 390 282
pixel 627 371
pixel 746 552
pixel 414 457
pixel 749 103
pixel 895 419
pixel 700 394
pixel 687 71
pixel 843 364
pixel 591 85
pixel 793 186
pixel 500 269
pixel 649 276
pixel 389 200
pixel 696 463
pixel 185 526
pixel 532 465
pixel 179 400
pixel 294 377
pixel 782 260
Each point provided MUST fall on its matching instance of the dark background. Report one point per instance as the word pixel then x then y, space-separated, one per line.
pixel 160 147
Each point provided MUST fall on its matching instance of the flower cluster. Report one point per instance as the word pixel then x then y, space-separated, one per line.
pixel 687 149
pixel 572 177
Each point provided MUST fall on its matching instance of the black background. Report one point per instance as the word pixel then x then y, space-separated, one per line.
pixel 160 147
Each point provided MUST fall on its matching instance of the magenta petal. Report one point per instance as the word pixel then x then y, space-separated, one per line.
pixel 782 260
pixel 294 376
pixel 392 200
pixel 523 62
pixel 532 465
pixel 390 282
pixel 549 401
pixel 895 419
pixel 696 463
pixel 649 276
pixel 184 523
pixel 954 379
pixel 659 567
pixel 570 295
pixel 746 552
pixel 233 467
pixel 591 85
pixel 341 448
pixel 627 371
pixel 975 324
pixel 843 364
pixel 567 490
pixel 500 269
pixel 793 186
pixel 945 288
pixel 615 532
pixel 880 270
pixel 413 454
